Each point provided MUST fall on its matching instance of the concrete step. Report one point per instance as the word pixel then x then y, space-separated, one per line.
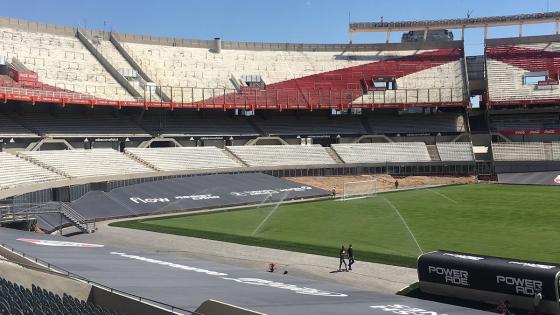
pixel 433 152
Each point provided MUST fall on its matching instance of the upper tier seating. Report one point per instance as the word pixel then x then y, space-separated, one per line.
pixel 507 66
pixel 11 129
pixel 16 299
pixel 197 67
pixel 86 163
pixel 519 151
pixel 455 151
pixel 300 77
pixel 108 50
pixel 525 122
pixel 194 125
pixel 17 172
pixel 310 125
pixel 183 158
pixel 417 123
pixel 61 61
pixel 272 155
pixel 382 152
pixel 67 124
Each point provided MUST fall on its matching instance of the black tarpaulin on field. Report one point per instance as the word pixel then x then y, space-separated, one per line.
pixel 189 193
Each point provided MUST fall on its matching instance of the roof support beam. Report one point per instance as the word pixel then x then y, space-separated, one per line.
pixel 403 26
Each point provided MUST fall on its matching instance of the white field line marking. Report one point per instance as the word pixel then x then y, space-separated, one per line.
pixel 352 198
pixel 269 215
pixel 404 222
pixel 444 196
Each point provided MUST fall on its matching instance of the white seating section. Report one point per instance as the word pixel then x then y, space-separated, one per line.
pixel 556 151
pixel 382 152
pixel 61 61
pixel 417 123
pixel 519 151
pixel 455 151
pixel 18 172
pixel 86 163
pixel 199 68
pixel 506 80
pixel 108 50
pixel 443 83
pixel 183 158
pixel 273 155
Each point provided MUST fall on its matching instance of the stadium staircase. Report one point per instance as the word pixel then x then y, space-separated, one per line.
pixel 141 161
pixel 256 127
pixel 26 212
pixel 334 155
pixel 433 152
pixel 234 157
pixel 365 122
pixel 548 155
pixel 115 41
pixel 108 66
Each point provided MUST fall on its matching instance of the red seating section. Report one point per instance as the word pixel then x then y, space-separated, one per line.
pixel 8 85
pixel 534 60
pixel 339 87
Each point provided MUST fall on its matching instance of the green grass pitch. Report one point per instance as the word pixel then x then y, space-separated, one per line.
pixel 501 220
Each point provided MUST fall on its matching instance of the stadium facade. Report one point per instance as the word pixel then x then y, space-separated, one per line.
pixel 154 107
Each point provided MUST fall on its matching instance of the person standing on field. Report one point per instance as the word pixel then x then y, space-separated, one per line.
pixel 350 257
pixel 342 255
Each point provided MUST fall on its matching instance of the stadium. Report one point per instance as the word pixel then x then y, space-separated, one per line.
pixel 142 174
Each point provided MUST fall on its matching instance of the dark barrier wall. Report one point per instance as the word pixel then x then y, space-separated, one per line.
pixel 489 279
pixel 526 166
pixel 532 178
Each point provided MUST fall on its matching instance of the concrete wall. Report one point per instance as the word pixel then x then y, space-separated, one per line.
pixel 31 26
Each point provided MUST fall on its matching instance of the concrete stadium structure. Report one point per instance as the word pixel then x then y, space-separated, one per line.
pixel 88 114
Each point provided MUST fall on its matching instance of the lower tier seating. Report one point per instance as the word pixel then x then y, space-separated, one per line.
pixel 383 152
pixel 519 151
pixel 455 151
pixel 17 172
pixel 185 158
pixel 272 155
pixel 86 163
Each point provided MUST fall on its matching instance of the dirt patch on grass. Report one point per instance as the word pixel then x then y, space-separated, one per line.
pixel 384 182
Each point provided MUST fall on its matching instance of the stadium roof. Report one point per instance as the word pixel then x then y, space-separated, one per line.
pixel 520 19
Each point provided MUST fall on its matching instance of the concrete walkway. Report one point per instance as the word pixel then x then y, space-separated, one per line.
pixel 369 276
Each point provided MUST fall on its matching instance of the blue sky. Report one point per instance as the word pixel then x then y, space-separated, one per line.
pixel 311 21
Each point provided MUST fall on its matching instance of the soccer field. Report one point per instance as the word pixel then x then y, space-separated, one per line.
pixel 500 220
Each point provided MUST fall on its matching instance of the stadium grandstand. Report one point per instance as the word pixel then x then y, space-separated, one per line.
pixel 98 126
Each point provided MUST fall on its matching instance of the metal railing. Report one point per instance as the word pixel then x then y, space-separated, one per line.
pixel 303 97
pixel 44 92
pixel 27 211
